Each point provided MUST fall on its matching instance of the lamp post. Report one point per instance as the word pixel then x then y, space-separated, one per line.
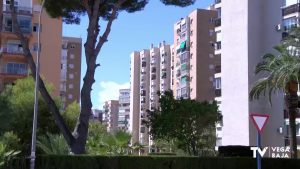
pixel 36 90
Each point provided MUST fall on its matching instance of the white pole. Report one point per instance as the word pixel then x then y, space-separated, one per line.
pixel 35 113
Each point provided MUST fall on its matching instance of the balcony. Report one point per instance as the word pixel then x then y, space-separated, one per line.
pixel 287 141
pixel 291 9
pixel 217 1
pixel 286 115
pixel 217 22
pixel 13 71
pixel 218 93
pixel 218 45
pixel 218 69
pixel 13 49
pixel 18 9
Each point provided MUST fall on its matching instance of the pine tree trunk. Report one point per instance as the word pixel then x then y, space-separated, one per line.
pixel 292 105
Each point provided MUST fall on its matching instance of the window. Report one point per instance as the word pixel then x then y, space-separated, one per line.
pixel 35 47
pixel 70 96
pixel 36 27
pixel 144 64
pixel 16 68
pixel 71 86
pixel 191 34
pixel 218 83
pixel 211 32
pixel 191 21
pixel 71 66
pixel 71 76
pixel 72 46
pixel 25 24
pixel 72 56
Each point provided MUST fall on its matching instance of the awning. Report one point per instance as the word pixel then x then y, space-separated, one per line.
pixel 182 45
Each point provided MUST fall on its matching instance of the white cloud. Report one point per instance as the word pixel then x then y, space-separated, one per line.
pixel 110 91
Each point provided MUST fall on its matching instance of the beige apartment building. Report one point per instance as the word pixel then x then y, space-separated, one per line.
pixel 150 73
pixel 13 64
pixel 54 61
pixel 193 60
pixel 70 74
pixel 110 115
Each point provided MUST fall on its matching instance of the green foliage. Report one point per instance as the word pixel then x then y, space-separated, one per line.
pixel 53 144
pixel 190 123
pixel 11 140
pixel 278 70
pixel 6 154
pixel 100 142
pixel 71 114
pixel 18 105
pixel 71 11
pixel 152 162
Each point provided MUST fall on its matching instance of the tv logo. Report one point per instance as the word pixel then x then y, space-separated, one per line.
pixel 273 152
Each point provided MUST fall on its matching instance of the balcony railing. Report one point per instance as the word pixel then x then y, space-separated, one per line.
pixel 218 22
pixel 13 71
pixel 19 9
pixel 218 93
pixel 291 9
pixel 12 49
pixel 9 28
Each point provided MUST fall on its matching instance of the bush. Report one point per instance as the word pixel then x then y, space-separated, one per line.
pixel 150 162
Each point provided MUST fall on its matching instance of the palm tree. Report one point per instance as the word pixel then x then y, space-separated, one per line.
pixel 282 74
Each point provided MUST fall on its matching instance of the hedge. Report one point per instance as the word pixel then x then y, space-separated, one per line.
pixel 150 162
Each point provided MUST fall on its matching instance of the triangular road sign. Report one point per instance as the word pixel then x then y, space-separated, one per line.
pixel 260 121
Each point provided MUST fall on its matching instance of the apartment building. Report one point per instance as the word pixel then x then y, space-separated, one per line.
pixel 124 109
pixel 70 74
pixel 150 73
pixel 13 64
pixel 246 31
pixel 193 61
pixel 110 115
pixel 290 18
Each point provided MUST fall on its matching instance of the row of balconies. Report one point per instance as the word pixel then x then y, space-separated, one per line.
pixel 18 9
pixel 14 69
pixel 291 9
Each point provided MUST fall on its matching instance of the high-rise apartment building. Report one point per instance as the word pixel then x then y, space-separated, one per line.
pixel 124 109
pixel 110 115
pixel 150 73
pixel 193 61
pixel 247 30
pixel 70 75
pixel 290 19
pixel 13 64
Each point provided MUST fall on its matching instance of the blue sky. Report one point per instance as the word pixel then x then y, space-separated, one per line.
pixel 130 32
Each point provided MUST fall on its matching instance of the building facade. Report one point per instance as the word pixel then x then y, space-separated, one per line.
pixel 124 109
pixel 241 42
pixel 290 19
pixel 13 64
pixel 150 73
pixel 70 75
pixel 110 115
pixel 193 61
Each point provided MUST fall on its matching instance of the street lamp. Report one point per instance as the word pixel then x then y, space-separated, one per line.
pixel 36 88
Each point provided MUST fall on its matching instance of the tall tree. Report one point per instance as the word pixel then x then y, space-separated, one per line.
pixel 281 73
pixel 96 10
pixel 190 122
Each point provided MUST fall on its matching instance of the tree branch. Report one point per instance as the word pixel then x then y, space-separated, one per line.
pixel 103 38
pixel 42 88
pixel 85 3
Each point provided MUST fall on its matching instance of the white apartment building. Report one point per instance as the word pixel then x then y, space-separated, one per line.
pixel 290 18
pixel 247 30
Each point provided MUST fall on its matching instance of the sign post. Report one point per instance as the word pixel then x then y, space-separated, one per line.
pixel 260 122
